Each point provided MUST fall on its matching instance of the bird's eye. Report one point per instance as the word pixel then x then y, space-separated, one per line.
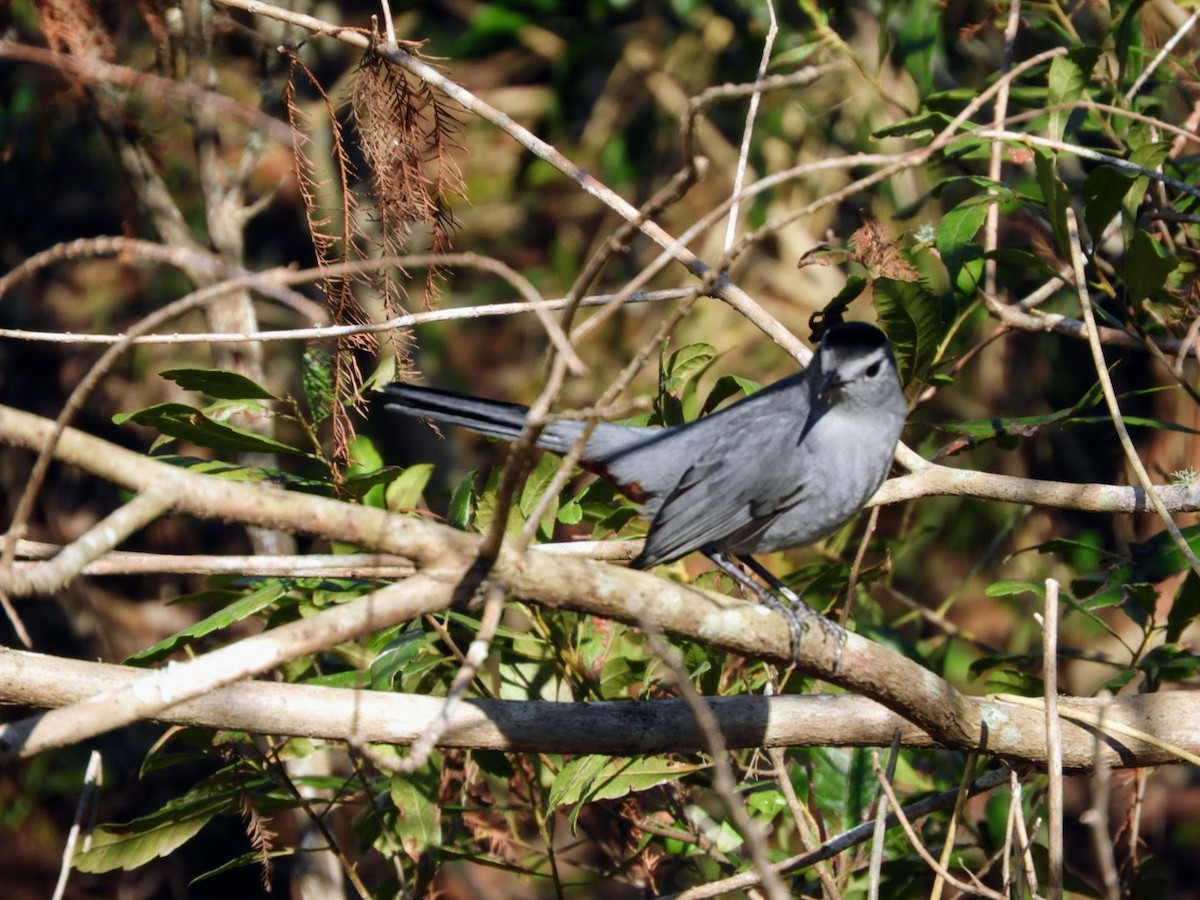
pixel 873 369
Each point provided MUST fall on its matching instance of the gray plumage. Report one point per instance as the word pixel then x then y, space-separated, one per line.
pixel 781 468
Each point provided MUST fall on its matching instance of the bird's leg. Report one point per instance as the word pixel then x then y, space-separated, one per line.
pixel 832 629
pixel 791 611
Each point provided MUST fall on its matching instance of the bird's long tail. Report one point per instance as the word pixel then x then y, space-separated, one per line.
pixel 491 417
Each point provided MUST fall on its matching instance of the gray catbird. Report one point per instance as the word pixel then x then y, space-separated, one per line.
pixel 781 468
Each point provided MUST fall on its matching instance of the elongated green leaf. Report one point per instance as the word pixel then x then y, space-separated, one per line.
pixel 396 658
pixel 182 422
pixel 317 380
pixel 220 384
pixel 136 843
pixel 925 125
pixel 1056 198
pixel 110 849
pixel 1011 588
pixel 241 609
pixel 1022 259
pixel 589 778
pixel 1185 609
pixel 915 320
pixel 918 39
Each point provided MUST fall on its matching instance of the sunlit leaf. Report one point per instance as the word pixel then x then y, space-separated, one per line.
pixel 220 384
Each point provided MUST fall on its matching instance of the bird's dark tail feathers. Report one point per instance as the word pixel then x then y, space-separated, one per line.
pixel 491 417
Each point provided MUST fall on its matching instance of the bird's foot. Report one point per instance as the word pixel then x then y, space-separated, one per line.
pixel 799 614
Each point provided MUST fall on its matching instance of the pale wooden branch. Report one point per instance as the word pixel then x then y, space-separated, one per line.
pixel 307 565
pixel 152 692
pixel 619 728
pixel 442 555
pixel 50 576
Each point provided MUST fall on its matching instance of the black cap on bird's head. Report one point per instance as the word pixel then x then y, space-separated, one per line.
pixel 853 336
pixel 849 352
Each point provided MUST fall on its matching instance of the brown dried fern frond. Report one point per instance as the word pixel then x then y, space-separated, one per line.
pixel 337 237
pixel 73 26
pixel 408 134
pixel 261 838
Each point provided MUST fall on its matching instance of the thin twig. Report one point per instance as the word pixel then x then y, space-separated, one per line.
pixel 723 780
pixel 1110 397
pixel 739 175
pixel 1054 773
pixel 991 224
pixel 92 776
pixel 99 72
pixel 917 845
pixel 881 813
pixel 845 840
pixel 1164 53
pixel 1095 817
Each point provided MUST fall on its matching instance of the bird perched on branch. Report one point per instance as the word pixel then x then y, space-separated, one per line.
pixel 781 468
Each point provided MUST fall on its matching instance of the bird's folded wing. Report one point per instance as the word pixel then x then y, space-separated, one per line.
pixel 709 508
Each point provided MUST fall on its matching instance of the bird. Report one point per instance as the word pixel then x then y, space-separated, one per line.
pixel 781 468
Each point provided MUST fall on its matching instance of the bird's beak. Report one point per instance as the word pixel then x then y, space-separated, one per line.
pixel 829 383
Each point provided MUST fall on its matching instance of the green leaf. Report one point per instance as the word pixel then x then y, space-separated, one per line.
pixel 1011 588
pixel 1170 663
pixel 915 321
pixel 1022 259
pixel 842 783
pixel 955 244
pixel 1148 563
pixel 1103 193
pixel 570 513
pixel 535 485
pixel 395 659
pixel 834 310
pixel 1147 265
pixel 1128 36
pixel 317 379
pixel 1014 681
pixel 243 608
pixel 220 384
pixel 728 386
pixel 176 420
pixel 1185 609
pixel 687 363
pixel 128 846
pixel 918 41
pixel 406 489
pixel 462 503
pixel 1056 198
pixel 590 778
pixel 1068 81
pixel 485 509
pixel 918 127
pixel 418 823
